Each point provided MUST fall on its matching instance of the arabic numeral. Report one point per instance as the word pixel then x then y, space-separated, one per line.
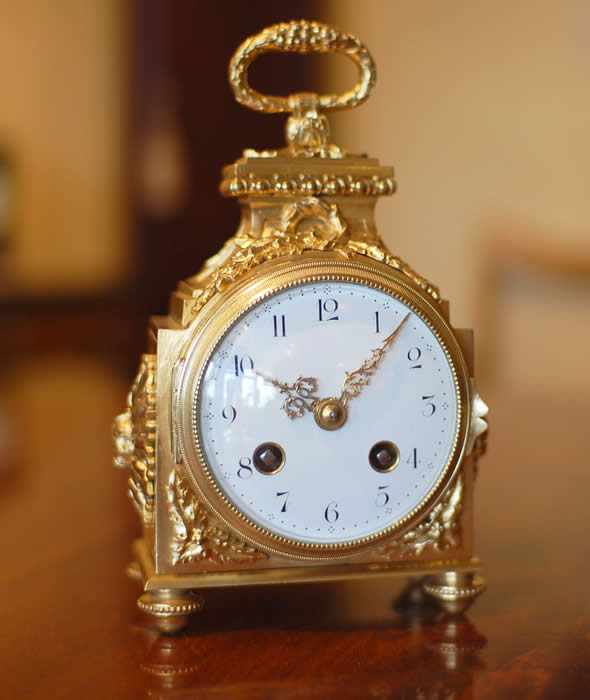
pixel 229 413
pixel 331 514
pixel 329 307
pixel 428 408
pixel 382 496
pixel 413 458
pixel 286 495
pixel 245 470
pixel 414 354
pixel 243 364
pixel 279 326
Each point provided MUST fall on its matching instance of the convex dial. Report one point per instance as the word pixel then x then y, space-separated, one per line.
pixel 284 472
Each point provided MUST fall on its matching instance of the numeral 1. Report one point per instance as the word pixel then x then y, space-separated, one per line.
pixel 413 458
pixel 376 322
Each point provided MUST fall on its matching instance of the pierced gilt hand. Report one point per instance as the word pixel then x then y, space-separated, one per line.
pixel 330 414
pixel 357 380
pixel 300 395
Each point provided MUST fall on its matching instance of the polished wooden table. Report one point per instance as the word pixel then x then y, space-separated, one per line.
pixel 70 628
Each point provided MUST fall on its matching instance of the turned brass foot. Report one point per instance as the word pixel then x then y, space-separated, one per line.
pixel 168 609
pixel 454 591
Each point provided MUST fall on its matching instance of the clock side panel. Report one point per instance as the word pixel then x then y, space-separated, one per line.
pixel 168 344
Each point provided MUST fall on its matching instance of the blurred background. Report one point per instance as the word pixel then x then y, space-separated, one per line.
pixel 116 118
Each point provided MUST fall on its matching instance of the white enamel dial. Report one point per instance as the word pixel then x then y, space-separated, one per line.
pixel 320 486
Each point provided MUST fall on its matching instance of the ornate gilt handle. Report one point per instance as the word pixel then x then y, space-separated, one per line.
pixel 300 36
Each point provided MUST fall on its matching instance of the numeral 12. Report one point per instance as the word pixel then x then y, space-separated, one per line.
pixel 329 306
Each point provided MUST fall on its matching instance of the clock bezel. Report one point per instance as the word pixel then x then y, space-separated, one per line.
pixel 216 319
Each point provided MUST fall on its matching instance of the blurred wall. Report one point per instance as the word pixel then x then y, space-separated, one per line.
pixel 484 110
pixel 62 81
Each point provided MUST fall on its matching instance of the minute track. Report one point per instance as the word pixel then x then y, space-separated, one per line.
pixel 319 468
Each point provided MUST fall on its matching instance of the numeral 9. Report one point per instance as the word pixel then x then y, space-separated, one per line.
pixel 229 413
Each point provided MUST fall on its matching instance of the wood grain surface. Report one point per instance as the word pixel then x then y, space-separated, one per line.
pixel 70 628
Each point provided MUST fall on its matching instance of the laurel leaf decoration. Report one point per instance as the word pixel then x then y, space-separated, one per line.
pixel 439 531
pixel 195 538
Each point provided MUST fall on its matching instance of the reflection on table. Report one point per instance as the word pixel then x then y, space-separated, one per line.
pixel 71 628
pixel 409 650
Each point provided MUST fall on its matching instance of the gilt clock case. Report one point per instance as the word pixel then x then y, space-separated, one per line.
pixel 305 411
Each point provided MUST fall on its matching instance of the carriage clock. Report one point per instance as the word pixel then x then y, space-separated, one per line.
pixel 305 412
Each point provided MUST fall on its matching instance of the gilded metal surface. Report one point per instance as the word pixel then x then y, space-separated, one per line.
pixel 169 609
pixel 300 36
pixel 455 591
pixel 134 438
pixel 304 573
pixel 307 129
pixel 358 379
pixel 439 531
pixel 195 537
pixel 307 213
pixel 309 219
pixel 308 224
pixel 305 184
pixel 123 442
pixel 479 426
pixel 152 606
pixel 223 311
pixel 330 413
pixel 380 252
